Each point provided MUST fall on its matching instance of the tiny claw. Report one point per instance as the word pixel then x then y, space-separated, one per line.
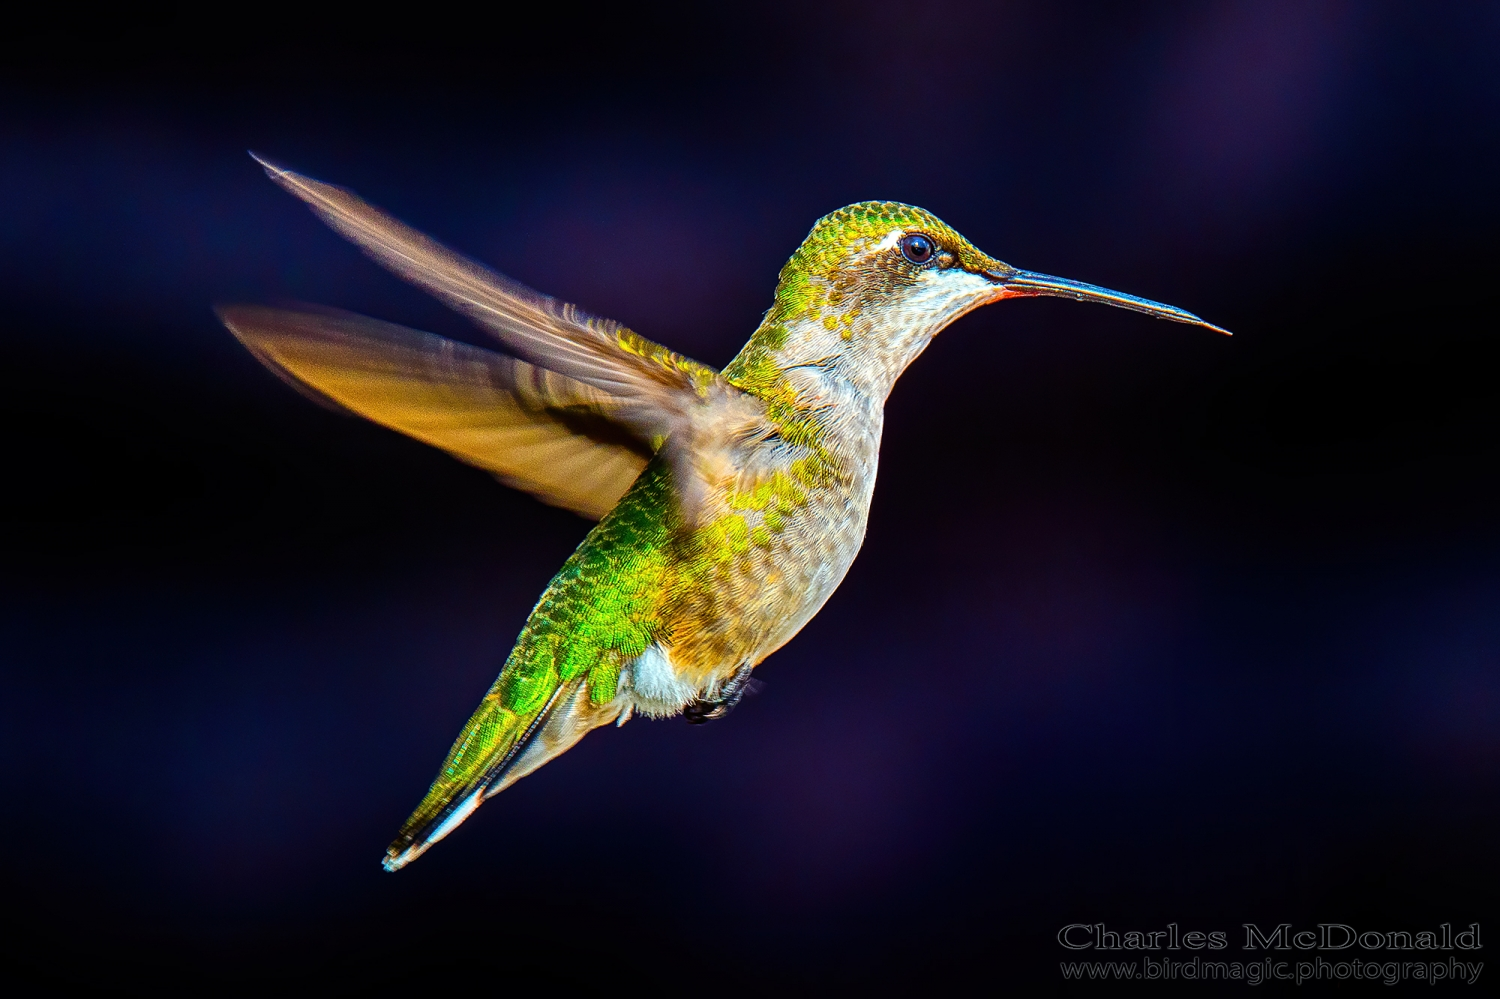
pixel 708 710
pixel 699 712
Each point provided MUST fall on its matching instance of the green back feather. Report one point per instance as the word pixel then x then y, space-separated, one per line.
pixel 601 611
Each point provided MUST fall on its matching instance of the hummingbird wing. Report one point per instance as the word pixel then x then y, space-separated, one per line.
pixel 539 431
pixel 657 389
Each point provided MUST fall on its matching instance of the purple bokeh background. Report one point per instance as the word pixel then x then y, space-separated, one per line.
pixel 1150 625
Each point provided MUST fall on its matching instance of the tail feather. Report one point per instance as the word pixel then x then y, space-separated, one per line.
pixel 491 740
pixel 497 748
pixel 567 673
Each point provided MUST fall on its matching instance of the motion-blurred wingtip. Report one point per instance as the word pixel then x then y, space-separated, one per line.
pixel 234 315
pixel 266 164
pixel 226 314
pixel 288 179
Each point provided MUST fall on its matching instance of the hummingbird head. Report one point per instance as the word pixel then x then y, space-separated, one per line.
pixel 874 282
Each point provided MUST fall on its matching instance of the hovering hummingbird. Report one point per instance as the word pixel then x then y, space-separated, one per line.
pixel 730 503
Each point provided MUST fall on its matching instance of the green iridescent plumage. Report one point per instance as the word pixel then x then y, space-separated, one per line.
pixel 598 613
pixel 732 502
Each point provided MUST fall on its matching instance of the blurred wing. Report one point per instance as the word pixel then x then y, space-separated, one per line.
pixel 656 384
pixel 539 431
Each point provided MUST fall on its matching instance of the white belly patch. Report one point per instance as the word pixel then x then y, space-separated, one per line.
pixel 654 687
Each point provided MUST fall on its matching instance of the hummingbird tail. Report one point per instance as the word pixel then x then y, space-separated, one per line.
pixel 497 748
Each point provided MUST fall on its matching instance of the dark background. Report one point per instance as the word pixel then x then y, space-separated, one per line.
pixel 1151 625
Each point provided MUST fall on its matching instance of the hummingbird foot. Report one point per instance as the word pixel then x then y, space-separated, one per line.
pixel 705 710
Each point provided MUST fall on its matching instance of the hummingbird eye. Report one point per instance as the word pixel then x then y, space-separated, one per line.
pixel 917 248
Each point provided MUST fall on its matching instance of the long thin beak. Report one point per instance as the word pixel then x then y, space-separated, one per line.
pixel 1024 283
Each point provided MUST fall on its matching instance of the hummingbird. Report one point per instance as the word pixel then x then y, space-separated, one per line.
pixel 730 503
